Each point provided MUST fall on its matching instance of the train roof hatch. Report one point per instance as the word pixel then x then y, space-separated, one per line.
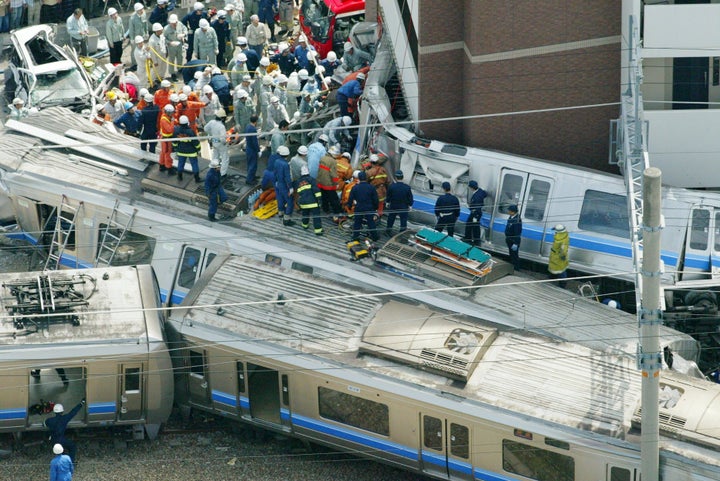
pixel 426 340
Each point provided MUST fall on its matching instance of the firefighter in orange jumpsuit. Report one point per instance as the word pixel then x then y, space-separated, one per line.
pixel 378 178
pixel 344 171
pixel 162 95
pixel 190 109
pixel 167 127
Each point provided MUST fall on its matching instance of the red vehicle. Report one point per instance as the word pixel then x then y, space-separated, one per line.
pixel 327 23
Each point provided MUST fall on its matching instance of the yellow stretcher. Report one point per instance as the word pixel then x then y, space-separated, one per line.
pixel 266 211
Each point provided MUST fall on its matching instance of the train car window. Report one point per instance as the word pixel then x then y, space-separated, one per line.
pixel 537 463
pixel 132 379
pixel 699 229
pixel 717 231
pixel 454 150
pixel 240 376
pixel 302 268
pixel 209 258
pixel 197 363
pixel 605 214
pixel 556 443
pixel 432 433
pixel 285 390
pixel 132 250
pixel 188 268
pixel 536 203
pixel 510 192
pixel 459 441
pixel 619 474
pixel 354 411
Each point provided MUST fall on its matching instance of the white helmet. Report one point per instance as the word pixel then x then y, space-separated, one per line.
pixel 157 27
pixel 182 97
pixel 302 150
pixel 207 89
pixel 360 76
pixel 274 100
pixel 203 23
pixel 347 46
pixel 111 11
pixel 18 100
pixel 169 108
pixel 165 83
pixel 174 98
pixel 346 120
pixel 242 41
pixel 311 55
pixel 302 38
pixel 241 57
pixel 264 61
pixel 247 78
pixel 58 408
pixel 319 69
pixel 283 150
pixel 356 174
pixel 58 449
pixel 220 113
pixel 139 39
pixel 143 91
pixel 197 75
pixel 148 97
pixel 198 6
pixel 173 18
pixel 222 14
pixel 186 90
pixel 334 150
pixel 216 70
pixel 303 74
pixel 241 93
pixel 267 80
pixel 214 164
pixel 280 79
pixel 331 56
pixel 324 138
pixel 282 46
pixel 138 6
pixel 229 6
pixel 374 158
pixel 184 120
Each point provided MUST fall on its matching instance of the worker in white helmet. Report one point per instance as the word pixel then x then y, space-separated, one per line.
pixel 141 54
pixel 18 110
pixel 158 51
pixel 205 46
pixel 243 109
pixel 138 26
pixel 192 22
pixel 175 34
pixel 114 33
pixel 215 129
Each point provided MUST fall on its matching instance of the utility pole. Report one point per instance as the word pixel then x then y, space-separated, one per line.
pixel 650 357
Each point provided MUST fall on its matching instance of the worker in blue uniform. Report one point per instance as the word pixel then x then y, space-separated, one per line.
pixel 477 201
pixel 399 200
pixel 447 210
pixel 187 147
pixel 513 235
pixel 149 117
pixel 192 22
pixel 129 122
pixel 350 90
pixel 214 189
pixel 252 150
pixel 283 185
pixel 364 199
pixel 309 200
pixel 58 424
pixel 61 467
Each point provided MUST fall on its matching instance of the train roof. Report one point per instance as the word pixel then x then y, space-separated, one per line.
pixel 283 313
pixel 79 307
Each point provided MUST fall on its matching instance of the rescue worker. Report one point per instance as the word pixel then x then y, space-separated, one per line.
pixel 205 44
pixel 301 53
pixel 277 111
pixel 336 129
pixel 344 169
pixel 377 177
pixel 149 117
pixel 58 424
pixel 364 200
pixel 283 185
pixel 243 109
pixel 218 141
pixel 447 210
pixel 167 129
pixel 158 53
pixel 190 109
pixel 234 19
pixel 354 59
pixel 309 200
pixel 327 180
pixel 559 261
pixel 252 150
pixel 175 34
pixel 267 184
pixel 162 95
pixel 187 148
pixel 330 63
pixel 211 104
pixel 284 58
pixel 316 151
pixel 399 200
pixel 278 137
pixel 113 107
pixel 192 22
pixel 160 13
pixel 129 122
pixel 222 32
pixel 256 36
pixel 351 90
pixel 238 69
pixel 141 55
pixel 513 235
pixel 138 26
pixel 298 161
pixel 115 33
pixel 141 99
pixel 214 189
pixel 61 467
pixel 472 227
pixel 264 95
pixel 18 110
pixel 253 58
pixel 221 87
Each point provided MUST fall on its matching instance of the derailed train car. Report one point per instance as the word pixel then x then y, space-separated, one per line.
pixel 94 334
pixel 424 389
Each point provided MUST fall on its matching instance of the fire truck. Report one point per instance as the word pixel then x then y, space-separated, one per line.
pixel 327 23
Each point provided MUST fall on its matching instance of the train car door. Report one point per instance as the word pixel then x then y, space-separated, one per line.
pixel 193 262
pixel 531 193
pixel 621 473
pixel 702 245
pixel 264 393
pixel 131 392
pixel 445 447
pixel 198 382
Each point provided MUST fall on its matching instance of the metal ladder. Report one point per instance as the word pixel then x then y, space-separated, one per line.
pixel 111 241
pixel 65 216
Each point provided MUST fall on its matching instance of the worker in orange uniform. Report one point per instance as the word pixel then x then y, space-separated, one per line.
pixel 327 180
pixel 378 178
pixel 167 127
pixel 162 95
pixel 190 109
pixel 344 170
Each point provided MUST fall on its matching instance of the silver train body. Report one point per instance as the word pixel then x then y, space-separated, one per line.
pixel 593 205
pixel 95 334
pixel 422 389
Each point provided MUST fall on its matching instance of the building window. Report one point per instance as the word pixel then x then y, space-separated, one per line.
pixel 354 411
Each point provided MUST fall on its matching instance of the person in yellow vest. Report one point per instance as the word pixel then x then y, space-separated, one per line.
pixel 378 178
pixel 559 260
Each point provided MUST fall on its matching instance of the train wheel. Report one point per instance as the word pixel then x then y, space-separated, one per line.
pixel 705 300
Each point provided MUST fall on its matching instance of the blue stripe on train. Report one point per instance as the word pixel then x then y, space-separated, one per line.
pixel 101 408
pixel 7 414
pixel 224 398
